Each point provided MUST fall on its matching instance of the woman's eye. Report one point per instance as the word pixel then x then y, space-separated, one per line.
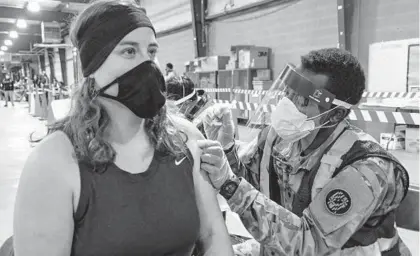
pixel 129 52
pixel 152 52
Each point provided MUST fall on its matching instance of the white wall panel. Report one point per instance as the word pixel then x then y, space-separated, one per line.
pixel 168 14
pixel 176 48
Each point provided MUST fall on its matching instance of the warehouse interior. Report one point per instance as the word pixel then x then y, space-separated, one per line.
pixel 233 50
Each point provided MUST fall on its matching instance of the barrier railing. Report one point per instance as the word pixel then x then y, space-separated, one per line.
pixel 355 114
pixel 406 95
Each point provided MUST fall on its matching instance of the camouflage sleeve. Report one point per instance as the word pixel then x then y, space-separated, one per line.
pixel 248 165
pixel 337 211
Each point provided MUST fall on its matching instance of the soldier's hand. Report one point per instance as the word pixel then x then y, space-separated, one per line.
pixel 218 124
pixel 214 162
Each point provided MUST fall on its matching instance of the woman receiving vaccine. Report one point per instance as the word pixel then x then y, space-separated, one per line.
pixel 118 175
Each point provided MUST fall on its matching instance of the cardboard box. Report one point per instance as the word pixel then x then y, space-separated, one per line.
pixel 214 63
pixel 189 66
pixel 231 65
pixel 263 74
pixel 251 56
pixel 262 85
pixel 412 140
pixel 392 141
pixel 233 61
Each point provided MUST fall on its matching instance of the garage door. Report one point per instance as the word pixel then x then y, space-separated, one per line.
pixel 176 48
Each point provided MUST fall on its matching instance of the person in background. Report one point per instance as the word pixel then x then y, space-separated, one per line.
pixel 8 89
pixel 310 183
pixel 44 80
pixel 179 87
pixel 118 175
pixel 170 72
pixel 26 85
pixel 189 101
pixel 36 81
pixel 1 89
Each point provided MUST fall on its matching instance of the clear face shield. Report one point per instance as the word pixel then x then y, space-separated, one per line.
pixel 192 107
pixel 291 108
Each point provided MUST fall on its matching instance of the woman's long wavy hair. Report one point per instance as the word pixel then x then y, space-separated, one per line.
pixel 88 119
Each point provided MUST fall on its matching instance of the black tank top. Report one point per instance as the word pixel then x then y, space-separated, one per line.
pixel 150 213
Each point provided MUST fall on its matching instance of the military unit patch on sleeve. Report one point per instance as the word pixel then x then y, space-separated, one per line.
pixel 338 202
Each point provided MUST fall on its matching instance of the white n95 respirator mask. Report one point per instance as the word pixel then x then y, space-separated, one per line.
pixel 289 123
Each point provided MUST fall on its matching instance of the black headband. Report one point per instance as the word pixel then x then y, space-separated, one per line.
pixel 100 36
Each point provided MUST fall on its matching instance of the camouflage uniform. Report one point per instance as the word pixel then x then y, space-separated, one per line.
pixel 351 213
pixel 248 248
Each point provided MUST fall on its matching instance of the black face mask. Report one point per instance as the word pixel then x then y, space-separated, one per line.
pixel 140 90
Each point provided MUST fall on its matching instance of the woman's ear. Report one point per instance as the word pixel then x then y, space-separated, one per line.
pixel 338 115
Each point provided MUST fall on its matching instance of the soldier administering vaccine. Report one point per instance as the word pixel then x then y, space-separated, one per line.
pixel 309 183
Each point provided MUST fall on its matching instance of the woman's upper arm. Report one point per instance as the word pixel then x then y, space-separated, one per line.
pixel 206 196
pixel 43 217
pixel 214 237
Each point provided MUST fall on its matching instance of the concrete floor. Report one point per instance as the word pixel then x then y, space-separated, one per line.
pixel 15 126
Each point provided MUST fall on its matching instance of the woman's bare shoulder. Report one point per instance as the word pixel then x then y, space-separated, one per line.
pixel 186 126
pixel 45 200
pixel 54 147
pixel 54 155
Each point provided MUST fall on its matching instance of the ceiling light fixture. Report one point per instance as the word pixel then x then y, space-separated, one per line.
pixel 20 23
pixel 2 60
pixel 1 53
pixel 8 42
pixel 4 48
pixel 13 34
pixel 33 6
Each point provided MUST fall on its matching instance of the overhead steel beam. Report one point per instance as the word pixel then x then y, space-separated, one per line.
pixel 348 28
pixel 341 26
pixel 198 8
pixel 22 36
pixel 31 29
pixel 53 45
pixel 48 16
pixel 24 54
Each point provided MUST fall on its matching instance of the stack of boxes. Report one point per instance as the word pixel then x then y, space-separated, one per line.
pixel 412 139
pixel 214 63
pixel 207 64
pixel 393 141
pixel 404 137
pixel 248 56
pixel 241 57
pixel 263 80
pixel 249 65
